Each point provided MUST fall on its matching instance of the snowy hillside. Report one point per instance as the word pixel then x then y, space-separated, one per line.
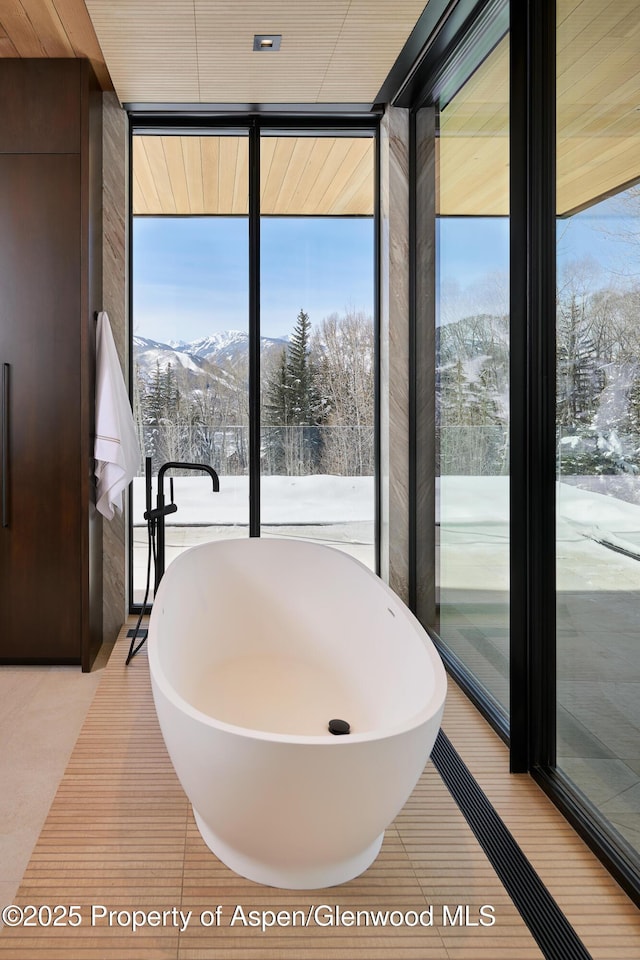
pixel 207 355
pixel 148 353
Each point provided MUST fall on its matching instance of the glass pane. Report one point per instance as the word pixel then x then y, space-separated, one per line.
pixel 598 407
pixel 316 310
pixel 190 333
pixel 472 374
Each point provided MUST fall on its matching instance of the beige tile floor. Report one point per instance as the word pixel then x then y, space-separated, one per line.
pixel 42 710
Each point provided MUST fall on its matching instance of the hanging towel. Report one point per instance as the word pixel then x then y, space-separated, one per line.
pixel 116 451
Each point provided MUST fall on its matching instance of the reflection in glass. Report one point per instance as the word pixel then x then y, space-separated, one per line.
pixel 598 408
pixel 472 375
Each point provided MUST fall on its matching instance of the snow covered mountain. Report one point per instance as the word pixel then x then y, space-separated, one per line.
pixel 210 355
pixel 147 353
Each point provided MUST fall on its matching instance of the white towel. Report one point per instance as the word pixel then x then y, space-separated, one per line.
pixel 117 451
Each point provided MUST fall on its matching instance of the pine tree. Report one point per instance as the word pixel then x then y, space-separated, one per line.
pixel 299 370
pixel 579 379
pixel 161 410
pixel 292 405
pixel 276 408
pixel 139 394
pixel 290 394
pixel 162 399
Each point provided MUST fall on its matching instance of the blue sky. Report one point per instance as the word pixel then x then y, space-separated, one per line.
pixel 473 256
pixel 473 247
pixel 602 234
pixel 191 274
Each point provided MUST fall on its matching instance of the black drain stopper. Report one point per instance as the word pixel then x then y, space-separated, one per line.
pixel 339 727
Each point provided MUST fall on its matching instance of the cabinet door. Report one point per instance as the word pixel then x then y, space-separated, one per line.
pixel 40 540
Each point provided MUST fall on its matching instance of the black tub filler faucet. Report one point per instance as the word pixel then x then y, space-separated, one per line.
pixel 155 518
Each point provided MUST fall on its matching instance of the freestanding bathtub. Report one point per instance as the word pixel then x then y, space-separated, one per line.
pixel 254 646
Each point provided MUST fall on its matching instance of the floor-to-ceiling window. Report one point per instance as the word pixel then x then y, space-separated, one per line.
pixel 190 326
pixel 538 150
pixel 204 307
pixel 598 407
pixel 472 374
pixel 317 294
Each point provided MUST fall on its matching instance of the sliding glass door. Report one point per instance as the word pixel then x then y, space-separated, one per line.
pixel 472 375
pixel 598 408
pixel 531 392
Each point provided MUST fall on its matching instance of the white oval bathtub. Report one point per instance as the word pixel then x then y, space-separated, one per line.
pixel 254 645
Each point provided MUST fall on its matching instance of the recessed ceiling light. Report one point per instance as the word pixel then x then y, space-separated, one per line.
pixel 267 41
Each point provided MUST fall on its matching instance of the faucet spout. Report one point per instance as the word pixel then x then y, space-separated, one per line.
pixel 161 510
pixel 179 465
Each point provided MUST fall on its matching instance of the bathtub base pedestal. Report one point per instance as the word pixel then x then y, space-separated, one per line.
pixel 289 878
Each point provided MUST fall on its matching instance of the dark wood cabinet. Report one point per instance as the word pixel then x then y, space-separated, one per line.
pixel 50 291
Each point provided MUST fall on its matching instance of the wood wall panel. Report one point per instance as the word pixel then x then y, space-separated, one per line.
pixel 7 48
pixel 50 125
pixel 51 282
pixel 192 160
pixel 229 148
pixel 174 159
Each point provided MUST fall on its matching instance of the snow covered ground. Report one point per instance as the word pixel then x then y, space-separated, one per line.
pixel 474 518
pixel 287 500
pixel 486 500
pixel 473 513
pixel 598 615
pixel 337 511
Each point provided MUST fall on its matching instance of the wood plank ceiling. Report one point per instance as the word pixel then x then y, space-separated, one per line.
pixel 598 99
pixel 51 28
pixel 201 51
pixel 339 51
pixel 598 121
pixel 300 176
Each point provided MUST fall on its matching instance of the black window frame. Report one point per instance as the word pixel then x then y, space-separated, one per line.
pixel 253 125
pixel 462 30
